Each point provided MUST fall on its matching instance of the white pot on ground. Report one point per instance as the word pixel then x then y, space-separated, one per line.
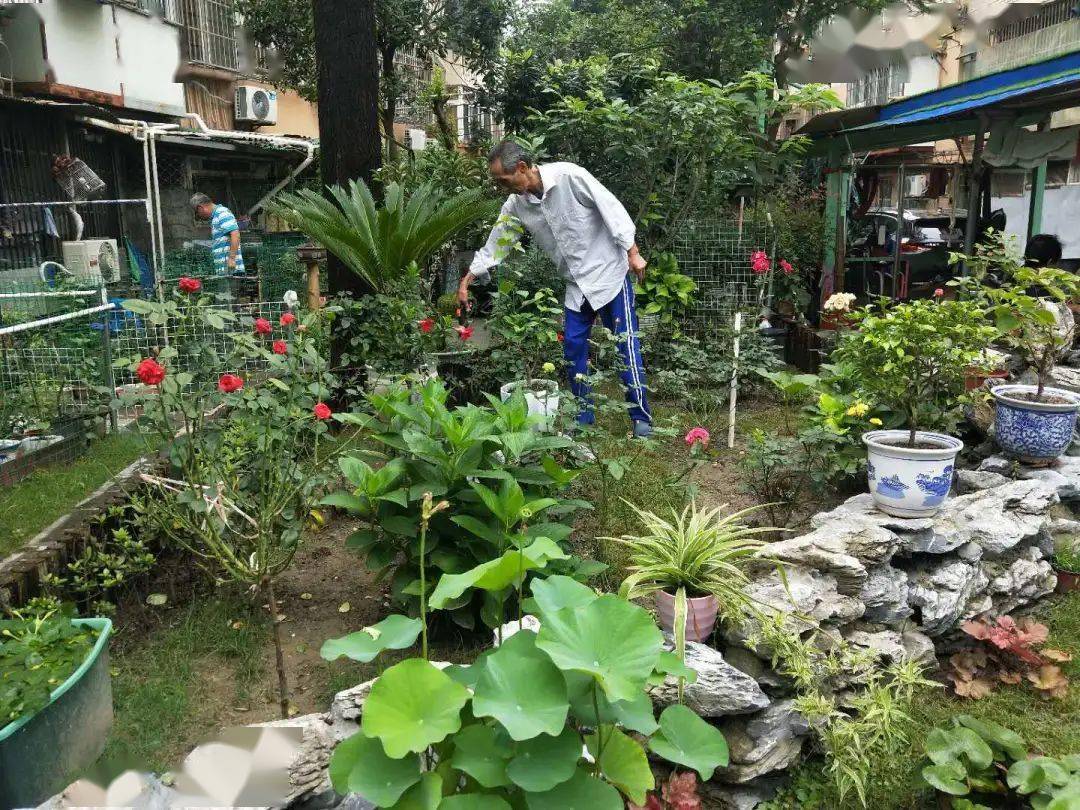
pixel 910 481
pixel 542 396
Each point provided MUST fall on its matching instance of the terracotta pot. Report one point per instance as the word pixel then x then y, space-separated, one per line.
pixel 839 321
pixel 700 615
pixel 974 378
pixel 1067 581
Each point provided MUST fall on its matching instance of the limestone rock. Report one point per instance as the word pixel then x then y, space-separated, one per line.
pixel 768 741
pixel 941 592
pixel 720 688
pixel 885 595
pixel 528 622
pixel 977 480
pixel 308 768
pixel 1027 578
pixel 840 547
pixel 1063 475
pixel 918 647
pixel 740 797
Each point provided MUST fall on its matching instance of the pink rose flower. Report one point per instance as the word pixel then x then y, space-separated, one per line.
pixel 696 435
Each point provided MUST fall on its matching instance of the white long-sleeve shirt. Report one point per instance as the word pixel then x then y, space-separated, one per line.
pixel 578 223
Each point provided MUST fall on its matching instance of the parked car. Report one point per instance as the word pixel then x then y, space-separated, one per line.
pixel 925 242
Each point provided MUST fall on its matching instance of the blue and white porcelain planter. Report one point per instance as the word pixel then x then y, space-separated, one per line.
pixel 1035 432
pixel 910 481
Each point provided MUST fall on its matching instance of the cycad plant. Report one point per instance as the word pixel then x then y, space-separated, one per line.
pixel 382 241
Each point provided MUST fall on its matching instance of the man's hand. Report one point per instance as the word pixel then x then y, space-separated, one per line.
pixel 637 263
pixel 230 261
pixel 463 291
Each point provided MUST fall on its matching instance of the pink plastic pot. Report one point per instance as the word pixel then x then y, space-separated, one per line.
pixel 700 615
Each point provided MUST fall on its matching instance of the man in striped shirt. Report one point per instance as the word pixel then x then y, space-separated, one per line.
pixel 224 235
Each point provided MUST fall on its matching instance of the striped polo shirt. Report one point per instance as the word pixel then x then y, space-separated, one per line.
pixel 223 223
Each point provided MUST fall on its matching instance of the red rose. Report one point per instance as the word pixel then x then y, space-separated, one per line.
pixel 280 347
pixel 427 325
pixel 939 292
pixel 187 284
pixel 759 262
pixel 785 265
pixel 322 411
pixel 287 319
pixel 262 326
pixel 464 332
pixel 559 337
pixel 150 371
pixel 227 383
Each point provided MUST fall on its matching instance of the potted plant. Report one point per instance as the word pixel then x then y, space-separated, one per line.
pixel 663 294
pixel 989 366
pixel 696 564
pixel 836 311
pixel 56 704
pixel 912 358
pixel 1033 422
pixel 1066 564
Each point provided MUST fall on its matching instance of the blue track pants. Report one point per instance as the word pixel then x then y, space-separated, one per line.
pixel 620 318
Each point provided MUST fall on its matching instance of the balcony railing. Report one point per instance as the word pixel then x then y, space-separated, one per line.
pixel 1053 13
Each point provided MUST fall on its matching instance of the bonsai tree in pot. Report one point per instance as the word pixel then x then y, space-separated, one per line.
pixel 912 358
pixel 1033 422
pixel 696 564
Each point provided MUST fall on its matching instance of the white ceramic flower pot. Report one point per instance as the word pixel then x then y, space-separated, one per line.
pixel 542 396
pixel 910 481
pixel 1035 432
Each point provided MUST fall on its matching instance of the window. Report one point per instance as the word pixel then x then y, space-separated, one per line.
pixel 210 33
pixel 1049 14
pixel 967 67
pixel 170 11
pixel 878 86
pixel 1007 184
pixel 1057 173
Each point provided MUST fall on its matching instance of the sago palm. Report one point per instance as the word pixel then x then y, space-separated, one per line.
pixel 380 241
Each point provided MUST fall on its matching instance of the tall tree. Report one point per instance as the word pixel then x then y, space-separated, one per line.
pixel 471 28
pixel 348 91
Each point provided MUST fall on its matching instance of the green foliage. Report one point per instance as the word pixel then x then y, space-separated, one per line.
pixel 707 552
pixel 517 738
pixel 989 763
pixel 492 534
pixel 675 145
pixel 380 330
pixel 526 325
pixel 392 633
pixel 913 356
pixel 37 654
pixel 1067 554
pixel 1016 300
pixel 381 242
pixel 869 724
pixel 664 291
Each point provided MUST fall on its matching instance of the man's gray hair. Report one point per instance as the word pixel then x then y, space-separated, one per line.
pixel 200 199
pixel 508 154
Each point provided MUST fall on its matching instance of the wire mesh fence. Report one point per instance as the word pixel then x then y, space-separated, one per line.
pixel 716 253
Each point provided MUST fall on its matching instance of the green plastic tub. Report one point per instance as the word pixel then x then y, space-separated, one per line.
pixel 42 753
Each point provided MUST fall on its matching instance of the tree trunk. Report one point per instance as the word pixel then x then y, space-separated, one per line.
pixel 348 83
pixel 447 134
pixel 390 100
pixel 279 654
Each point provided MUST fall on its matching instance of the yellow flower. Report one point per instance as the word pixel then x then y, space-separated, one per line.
pixel 548 368
pixel 875 421
pixel 858 409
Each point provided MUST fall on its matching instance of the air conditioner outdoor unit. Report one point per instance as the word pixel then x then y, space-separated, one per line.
pixel 256 105
pixel 96 259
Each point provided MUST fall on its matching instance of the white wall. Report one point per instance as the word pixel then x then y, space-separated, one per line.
pixel 99 47
pixel 1061 213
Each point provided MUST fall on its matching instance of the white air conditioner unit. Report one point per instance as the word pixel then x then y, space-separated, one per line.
pixel 256 105
pixel 96 259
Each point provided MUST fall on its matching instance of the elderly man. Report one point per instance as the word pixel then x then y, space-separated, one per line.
pixel 224 235
pixel 586 231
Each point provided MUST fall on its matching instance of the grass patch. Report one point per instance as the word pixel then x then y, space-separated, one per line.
pixel 167 688
pixel 51 492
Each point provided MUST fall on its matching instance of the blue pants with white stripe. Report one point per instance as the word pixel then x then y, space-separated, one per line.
pixel 620 317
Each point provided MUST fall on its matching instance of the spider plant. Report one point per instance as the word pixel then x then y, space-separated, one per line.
pixel 695 553
pixel 380 242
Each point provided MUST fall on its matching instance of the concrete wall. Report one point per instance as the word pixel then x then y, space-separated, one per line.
pixel 98 48
pixel 1061 212
pixel 296 115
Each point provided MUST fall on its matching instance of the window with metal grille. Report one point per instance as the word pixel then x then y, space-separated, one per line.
pixel 210 33
pixel 879 86
pixel 1049 14
pixel 414 72
pixel 1007 184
